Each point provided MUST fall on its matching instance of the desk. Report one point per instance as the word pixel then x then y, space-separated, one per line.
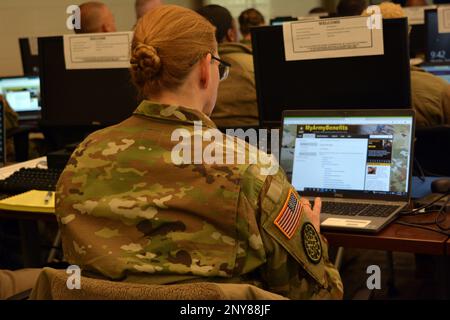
pixel 395 237
pixel 401 238
pixel 29 234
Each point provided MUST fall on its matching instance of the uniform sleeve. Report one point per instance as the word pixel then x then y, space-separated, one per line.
pixel 298 265
pixel 11 117
pixel 446 104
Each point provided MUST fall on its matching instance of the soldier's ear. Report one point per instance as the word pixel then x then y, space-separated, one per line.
pixel 205 71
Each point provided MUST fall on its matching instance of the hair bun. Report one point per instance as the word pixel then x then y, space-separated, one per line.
pixel 145 60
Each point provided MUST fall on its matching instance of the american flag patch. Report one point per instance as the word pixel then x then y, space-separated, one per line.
pixel 289 217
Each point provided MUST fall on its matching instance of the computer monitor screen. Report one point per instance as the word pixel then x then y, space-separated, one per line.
pixel 438 44
pixel 442 71
pixel 22 93
pixel 358 154
pixel 381 81
pixel 99 97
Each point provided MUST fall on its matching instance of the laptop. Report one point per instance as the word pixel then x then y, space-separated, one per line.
pixel 358 161
pixel 23 95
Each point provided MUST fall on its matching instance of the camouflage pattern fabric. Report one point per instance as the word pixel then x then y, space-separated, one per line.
pixel 236 104
pixel 127 212
pixel 430 98
pixel 11 122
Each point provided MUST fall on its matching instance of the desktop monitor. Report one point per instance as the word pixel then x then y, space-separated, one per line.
pixel 30 59
pixel 417 40
pixel 366 82
pixel 280 20
pixel 438 44
pixel 94 97
pixel 22 93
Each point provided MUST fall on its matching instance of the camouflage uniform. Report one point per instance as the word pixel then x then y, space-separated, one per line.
pixel 11 123
pixel 236 100
pixel 127 212
pixel 430 98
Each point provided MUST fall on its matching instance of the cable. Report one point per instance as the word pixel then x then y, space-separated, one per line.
pixel 425 173
pixel 414 212
pixel 441 212
pixel 440 218
pixel 419 167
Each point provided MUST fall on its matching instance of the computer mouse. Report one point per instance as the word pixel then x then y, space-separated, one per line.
pixel 440 186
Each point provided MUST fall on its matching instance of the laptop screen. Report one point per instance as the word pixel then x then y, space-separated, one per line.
pixel 442 71
pixel 22 93
pixel 348 155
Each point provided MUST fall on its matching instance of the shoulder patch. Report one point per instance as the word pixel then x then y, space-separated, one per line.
pixel 289 217
pixel 311 243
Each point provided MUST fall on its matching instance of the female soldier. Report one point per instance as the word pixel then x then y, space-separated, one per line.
pixel 128 212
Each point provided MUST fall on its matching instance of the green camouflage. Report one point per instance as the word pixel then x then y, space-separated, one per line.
pixel 11 123
pixel 127 212
pixel 236 110
pixel 430 98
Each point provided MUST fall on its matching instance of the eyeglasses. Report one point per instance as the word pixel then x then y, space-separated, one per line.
pixel 224 68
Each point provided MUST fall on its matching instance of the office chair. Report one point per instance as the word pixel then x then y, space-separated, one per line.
pixel 52 285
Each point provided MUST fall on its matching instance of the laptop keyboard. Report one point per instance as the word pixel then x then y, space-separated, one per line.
pixel 358 209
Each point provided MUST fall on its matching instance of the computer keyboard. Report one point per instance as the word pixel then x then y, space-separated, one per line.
pixel 358 209
pixel 29 179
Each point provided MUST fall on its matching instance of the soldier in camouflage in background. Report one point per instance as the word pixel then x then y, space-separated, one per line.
pixel 127 212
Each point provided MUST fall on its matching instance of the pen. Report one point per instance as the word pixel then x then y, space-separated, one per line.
pixel 48 197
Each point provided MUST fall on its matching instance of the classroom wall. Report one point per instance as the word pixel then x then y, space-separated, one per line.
pixel 32 18
pixel 25 18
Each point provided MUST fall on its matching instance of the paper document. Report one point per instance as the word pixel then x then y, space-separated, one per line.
pixel 31 201
pixel 351 223
pixel 444 19
pixel 33 43
pixel 416 15
pixel 98 50
pixel 332 38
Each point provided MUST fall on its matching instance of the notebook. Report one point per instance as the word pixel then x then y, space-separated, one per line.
pixel 30 201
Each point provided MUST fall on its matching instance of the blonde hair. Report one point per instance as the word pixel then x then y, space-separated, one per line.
pixel 168 41
pixel 390 10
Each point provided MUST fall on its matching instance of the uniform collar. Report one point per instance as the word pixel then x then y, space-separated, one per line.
pixel 173 113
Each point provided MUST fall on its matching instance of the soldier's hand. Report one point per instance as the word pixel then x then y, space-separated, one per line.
pixel 313 213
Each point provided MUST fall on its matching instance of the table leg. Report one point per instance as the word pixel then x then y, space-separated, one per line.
pixel 31 249
pixel 443 278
